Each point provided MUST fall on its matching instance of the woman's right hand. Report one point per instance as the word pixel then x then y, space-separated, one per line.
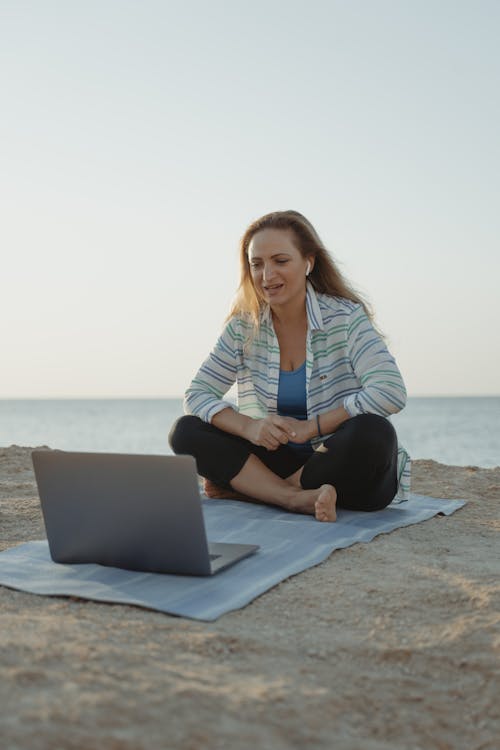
pixel 269 432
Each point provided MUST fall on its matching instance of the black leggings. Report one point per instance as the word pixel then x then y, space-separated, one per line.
pixel 361 460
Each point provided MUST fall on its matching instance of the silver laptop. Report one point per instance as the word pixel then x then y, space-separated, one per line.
pixel 130 511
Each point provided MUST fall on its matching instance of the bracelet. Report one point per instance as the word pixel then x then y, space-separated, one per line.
pixel 318 426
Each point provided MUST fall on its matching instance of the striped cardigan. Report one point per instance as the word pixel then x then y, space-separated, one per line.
pixel 347 364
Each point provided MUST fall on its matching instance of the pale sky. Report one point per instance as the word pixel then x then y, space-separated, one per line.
pixel 138 139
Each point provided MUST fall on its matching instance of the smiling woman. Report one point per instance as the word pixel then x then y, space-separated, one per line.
pixel 277 276
pixel 315 385
pixel 278 279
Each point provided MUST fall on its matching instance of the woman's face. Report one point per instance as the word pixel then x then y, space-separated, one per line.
pixel 278 269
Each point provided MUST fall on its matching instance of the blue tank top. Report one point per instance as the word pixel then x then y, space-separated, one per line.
pixel 292 400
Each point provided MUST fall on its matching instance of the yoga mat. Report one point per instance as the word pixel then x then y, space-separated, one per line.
pixel 289 543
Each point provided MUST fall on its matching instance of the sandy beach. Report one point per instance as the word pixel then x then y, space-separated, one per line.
pixel 391 644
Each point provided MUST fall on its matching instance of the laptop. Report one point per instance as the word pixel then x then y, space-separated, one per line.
pixel 139 512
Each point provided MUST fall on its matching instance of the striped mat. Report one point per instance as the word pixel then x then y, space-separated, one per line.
pixel 289 543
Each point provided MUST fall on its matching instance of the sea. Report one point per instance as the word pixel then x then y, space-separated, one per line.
pixel 456 431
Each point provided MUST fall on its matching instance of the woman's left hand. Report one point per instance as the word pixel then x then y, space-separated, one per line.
pixel 305 429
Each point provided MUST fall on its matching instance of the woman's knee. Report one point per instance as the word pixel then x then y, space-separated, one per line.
pixel 375 427
pixel 181 433
pixel 369 436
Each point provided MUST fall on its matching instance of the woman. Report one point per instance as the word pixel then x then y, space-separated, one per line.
pixel 315 385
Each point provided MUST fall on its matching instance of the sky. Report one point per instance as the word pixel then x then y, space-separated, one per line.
pixel 140 138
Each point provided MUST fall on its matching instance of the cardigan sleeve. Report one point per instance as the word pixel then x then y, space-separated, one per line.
pixel 203 397
pixel 382 389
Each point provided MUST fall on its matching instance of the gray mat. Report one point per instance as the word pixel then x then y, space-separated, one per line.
pixel 289 544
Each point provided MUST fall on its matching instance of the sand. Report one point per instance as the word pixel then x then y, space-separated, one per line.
pixel 391 644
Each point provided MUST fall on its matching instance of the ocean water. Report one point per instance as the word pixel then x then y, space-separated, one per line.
pixel 456 431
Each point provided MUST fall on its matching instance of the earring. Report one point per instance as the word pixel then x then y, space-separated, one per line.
pixel 308 268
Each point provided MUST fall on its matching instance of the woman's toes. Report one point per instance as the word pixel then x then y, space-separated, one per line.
pixel 325 504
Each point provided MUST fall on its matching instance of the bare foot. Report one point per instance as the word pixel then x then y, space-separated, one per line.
pixel 213 490
pixel 324 507
pixel 319 503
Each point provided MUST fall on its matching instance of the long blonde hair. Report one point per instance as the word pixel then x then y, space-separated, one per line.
pixel 325 276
